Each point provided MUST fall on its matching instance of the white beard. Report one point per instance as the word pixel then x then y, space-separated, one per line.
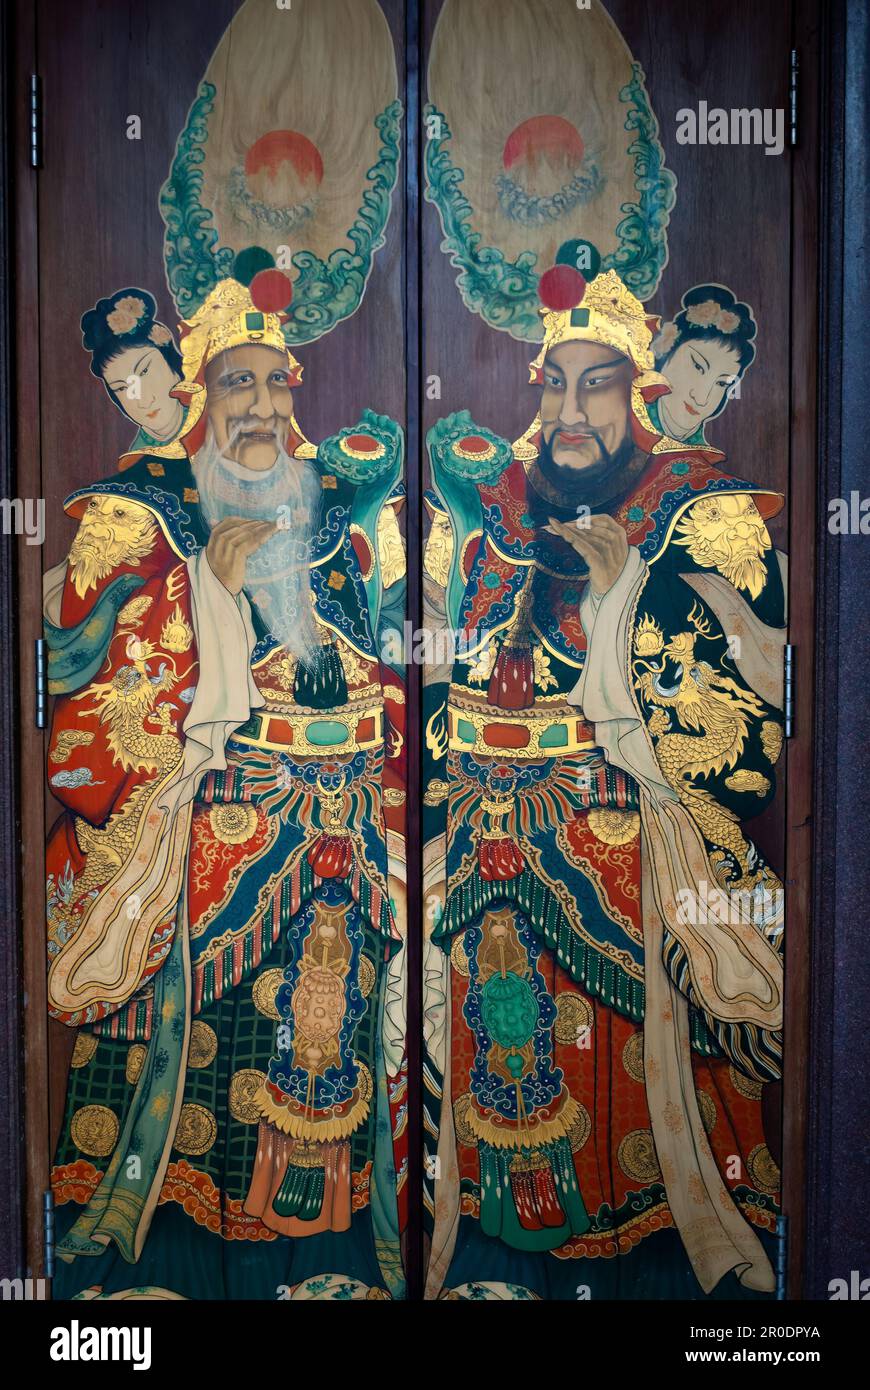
pixel 277 575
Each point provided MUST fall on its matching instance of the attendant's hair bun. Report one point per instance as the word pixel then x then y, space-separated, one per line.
pixel 125 319
pixel 713 311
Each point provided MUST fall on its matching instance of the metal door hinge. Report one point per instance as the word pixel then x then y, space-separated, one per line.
pixel 40 692
pixel 781 1257
pixel 788 689
pixel 48 1232
pixel 35 121
pixel 793 75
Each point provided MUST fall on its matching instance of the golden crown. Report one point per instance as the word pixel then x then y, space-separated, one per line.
pixel 607 312
pixel 229 318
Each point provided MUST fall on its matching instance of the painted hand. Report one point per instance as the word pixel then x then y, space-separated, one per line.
pixel 603 545
pixel 230 544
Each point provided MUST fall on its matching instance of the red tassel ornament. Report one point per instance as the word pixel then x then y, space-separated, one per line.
pixel 547 1202
pixel 331 856
pixel 512 683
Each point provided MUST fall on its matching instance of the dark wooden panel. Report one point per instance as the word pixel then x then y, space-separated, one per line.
pixel 31 743
pixel 800 751
pixel 12 1155
pixel 830 833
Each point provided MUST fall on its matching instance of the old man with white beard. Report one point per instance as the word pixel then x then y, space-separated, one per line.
pixel 226 884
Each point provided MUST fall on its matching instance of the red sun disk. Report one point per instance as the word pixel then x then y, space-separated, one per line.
pixel 271 291
pixel 561 287
pixel 277 147
pixel 552 136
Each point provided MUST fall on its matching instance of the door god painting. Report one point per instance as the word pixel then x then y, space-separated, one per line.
pixel 603 957
pixel 226 896
pixel 596 911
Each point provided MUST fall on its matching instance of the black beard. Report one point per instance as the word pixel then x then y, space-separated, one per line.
pixel 571 481
pixel 567 488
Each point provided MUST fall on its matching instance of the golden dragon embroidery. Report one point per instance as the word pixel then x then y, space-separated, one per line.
pixel 128 704
pixel 717 711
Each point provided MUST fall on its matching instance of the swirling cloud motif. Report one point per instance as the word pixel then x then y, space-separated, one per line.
pixel 540 129
pixel 187 695
pixel 75 777
pixel 266 160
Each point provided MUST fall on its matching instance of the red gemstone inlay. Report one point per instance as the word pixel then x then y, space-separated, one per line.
pixel 474 444
pixel 506 735
pixel 280 731
pixel 363 443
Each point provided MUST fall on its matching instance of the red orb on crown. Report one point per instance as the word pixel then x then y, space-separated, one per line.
pixel 562 287
pixel 271 291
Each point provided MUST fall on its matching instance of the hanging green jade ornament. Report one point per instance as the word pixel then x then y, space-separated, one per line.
pixel 510 1012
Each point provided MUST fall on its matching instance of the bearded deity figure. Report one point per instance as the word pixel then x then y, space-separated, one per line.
pixel 603 955
pixel 226 882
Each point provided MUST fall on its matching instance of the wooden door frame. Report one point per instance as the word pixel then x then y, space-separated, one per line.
pixel 803 509
pixel 811 1190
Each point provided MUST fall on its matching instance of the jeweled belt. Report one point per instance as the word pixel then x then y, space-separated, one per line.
pixel 314 735
pixel 526 735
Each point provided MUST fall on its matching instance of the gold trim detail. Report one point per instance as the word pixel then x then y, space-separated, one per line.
pixel 369 455
pixel 632 1057
pixel 85 1047
pixel 613 827
pixel 763 1170
pixel 537 725
pixel 300 724
pixel 391 547
pixel 637 1157
pixel 203 1044
pixel 243 1090
pixel 438 551
pixel 771 739
pixel 580 1130
pixel 459 956
pixel 464 1132
pixel 523 448
pixel 613 316
pixel 319 1131
pixel 94 1130
pixel 482 456
pixel 196 1132
pixel 357 530
pixel 233 822
pixel 367 976
pixel 264 990
pixel 707 1107
pixel 745 1086
pixel 437 791
pixel 746 779
pixel 573 1013
pixel 176 635
pixel 135 1062
pixel 568 1122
